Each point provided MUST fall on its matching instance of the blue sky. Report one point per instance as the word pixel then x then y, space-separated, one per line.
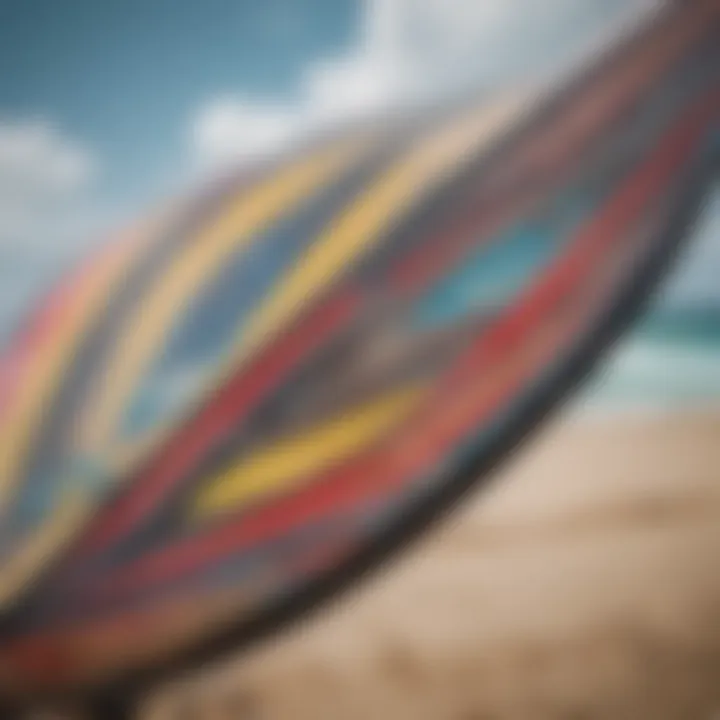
pixel 130 81
pixel 126 76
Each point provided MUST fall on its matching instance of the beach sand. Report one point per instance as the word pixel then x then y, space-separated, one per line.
pixel 583 584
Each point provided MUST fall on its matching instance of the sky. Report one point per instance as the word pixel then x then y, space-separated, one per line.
pixel 108 106
pixel 139 89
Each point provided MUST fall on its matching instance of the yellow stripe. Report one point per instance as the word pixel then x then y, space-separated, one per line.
pixel 360 228
pixel 50 364
pixel 282 465
pixel 145 333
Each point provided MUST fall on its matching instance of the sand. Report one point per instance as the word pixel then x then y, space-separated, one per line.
pixel 585 583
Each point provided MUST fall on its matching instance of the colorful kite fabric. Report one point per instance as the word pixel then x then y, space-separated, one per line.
pixel 239 396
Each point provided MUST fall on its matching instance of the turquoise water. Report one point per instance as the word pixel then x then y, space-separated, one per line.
pixel 672 359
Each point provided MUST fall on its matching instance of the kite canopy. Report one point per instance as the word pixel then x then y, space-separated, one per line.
pixel 231 411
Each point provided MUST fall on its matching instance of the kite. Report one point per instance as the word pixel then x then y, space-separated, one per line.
pixel 246 401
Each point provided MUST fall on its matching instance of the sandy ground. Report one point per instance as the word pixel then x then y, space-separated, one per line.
pixel 584 584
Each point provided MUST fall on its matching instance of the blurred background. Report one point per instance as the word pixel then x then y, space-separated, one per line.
pixel 586 583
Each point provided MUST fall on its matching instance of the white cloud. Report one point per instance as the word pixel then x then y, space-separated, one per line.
pixel 234 128
pixel 35 153
pixel 408 49
pixel 42 176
